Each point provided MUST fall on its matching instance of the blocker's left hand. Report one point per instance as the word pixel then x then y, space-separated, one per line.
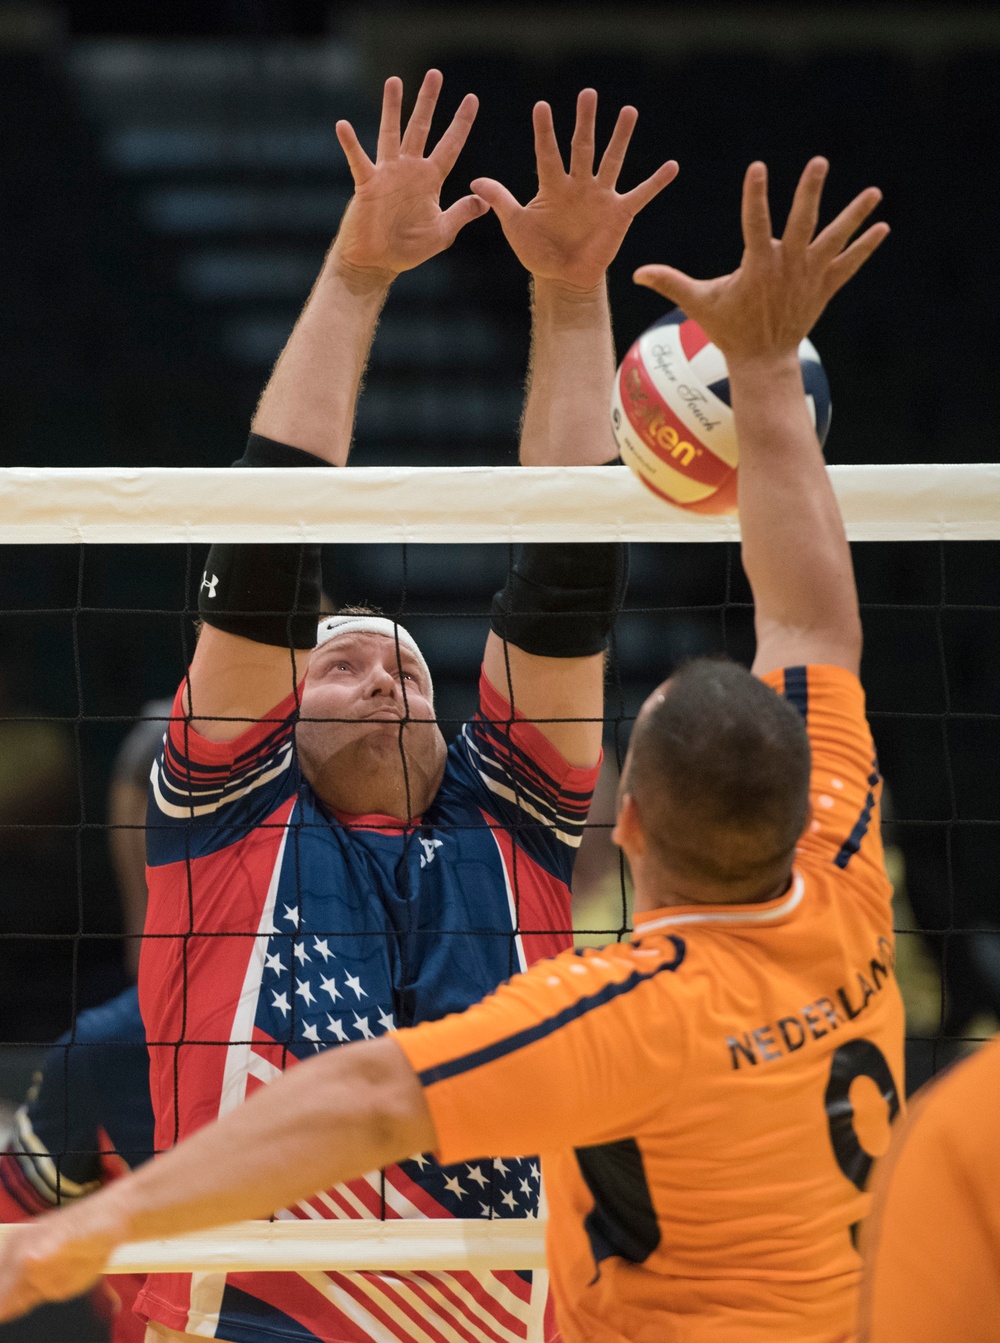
pixel 50 1259
pixel 571 231
pixel 394 220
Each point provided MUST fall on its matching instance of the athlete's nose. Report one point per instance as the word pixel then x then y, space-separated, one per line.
pixel 381 682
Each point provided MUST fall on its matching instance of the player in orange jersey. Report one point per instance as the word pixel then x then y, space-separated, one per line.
pixel 932 1243
pixel 707 1098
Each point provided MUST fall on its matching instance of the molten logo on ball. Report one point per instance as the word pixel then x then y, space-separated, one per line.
pixel 672 419
pixel 649 418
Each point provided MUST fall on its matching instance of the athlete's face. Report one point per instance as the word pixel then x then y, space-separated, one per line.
pixel 351 736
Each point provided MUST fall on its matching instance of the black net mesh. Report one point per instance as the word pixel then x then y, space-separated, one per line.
pixel 96 639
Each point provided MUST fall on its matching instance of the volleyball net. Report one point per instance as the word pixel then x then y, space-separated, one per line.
pixel 112 628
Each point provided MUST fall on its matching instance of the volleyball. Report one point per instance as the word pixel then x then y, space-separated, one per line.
pixel 672 419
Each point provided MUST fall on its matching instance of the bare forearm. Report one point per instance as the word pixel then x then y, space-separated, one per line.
pixel 310 399
pixel 795 551
pixel 345 1112
pixel 570 378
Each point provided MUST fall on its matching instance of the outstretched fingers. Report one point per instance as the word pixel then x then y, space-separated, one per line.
pixel 547 156
pixel 804 214
pixel 358 161
pixel 839 231
pixel 614 155
pixel 850 261
pixel 445 153
pixel 755 212
pixel 419 125
pixel 581 154
pixel 388 131
pixel 639 197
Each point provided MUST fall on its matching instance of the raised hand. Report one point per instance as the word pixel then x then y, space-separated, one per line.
pixel 571 231
pixel 394 220
pixel 771 303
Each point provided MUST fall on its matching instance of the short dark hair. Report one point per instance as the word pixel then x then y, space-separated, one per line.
pixel 718 768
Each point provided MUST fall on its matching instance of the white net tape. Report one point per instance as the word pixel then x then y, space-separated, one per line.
pixel 307 1247
pixel 453 504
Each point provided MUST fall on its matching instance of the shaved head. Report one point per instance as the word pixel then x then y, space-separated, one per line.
pixel 718 769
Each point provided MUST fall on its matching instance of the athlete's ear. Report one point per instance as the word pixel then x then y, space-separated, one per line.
pixel 810 824
pixel 628 834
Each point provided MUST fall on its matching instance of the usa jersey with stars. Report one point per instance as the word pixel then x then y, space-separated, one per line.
pixel 276 929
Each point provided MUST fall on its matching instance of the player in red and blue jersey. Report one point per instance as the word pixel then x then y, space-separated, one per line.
pixel 322 867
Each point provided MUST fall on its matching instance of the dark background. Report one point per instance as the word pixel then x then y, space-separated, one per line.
pixel 170 182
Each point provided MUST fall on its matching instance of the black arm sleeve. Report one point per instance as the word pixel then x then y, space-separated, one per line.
pixel 561 600
pixel 268 593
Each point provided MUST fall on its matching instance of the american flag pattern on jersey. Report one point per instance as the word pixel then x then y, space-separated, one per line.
pixel 279 930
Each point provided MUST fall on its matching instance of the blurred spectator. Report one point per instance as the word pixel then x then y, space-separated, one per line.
pixel 127 820
pixel 38 877
pixel 87 1117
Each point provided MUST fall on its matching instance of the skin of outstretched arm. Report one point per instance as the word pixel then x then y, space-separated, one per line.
pixel 393 223
pixel 566 237
pixel 346 1111
pixel 794 548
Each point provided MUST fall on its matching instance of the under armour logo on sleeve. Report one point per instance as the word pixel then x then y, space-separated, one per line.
pixel 210 583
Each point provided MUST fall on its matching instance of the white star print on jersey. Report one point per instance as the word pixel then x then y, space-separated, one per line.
pixel 336 1029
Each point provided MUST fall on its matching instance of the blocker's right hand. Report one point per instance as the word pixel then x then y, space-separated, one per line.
pixel 771 303
pixel 394 220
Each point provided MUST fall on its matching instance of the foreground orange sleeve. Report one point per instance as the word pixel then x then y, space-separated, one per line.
pixel 932 1242
pixel 575 1051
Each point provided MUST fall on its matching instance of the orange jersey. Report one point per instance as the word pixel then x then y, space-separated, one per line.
pixel 708 1098
pixel 932 1242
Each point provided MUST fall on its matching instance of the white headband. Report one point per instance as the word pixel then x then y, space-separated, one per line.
pixel 335 627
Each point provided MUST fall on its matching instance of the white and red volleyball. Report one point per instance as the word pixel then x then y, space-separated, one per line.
pixel 671 415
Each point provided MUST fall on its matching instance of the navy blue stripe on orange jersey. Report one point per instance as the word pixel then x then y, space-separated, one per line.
pixel 521 1039
pixel 854 840
pixel 797 689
